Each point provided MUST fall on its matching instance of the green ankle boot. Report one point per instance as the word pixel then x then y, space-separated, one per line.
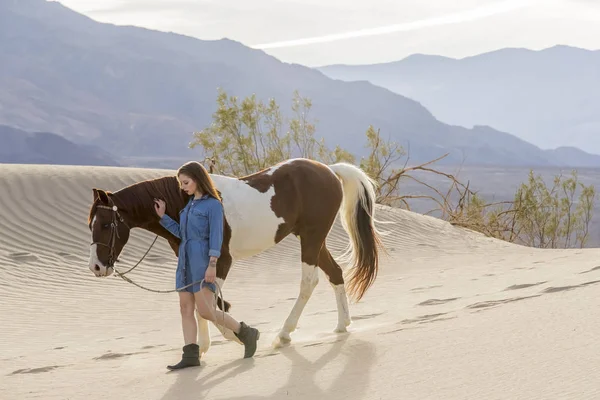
pixel 249 337
pixel 190 357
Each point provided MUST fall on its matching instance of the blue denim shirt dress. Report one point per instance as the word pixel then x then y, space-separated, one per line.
pixel 200 229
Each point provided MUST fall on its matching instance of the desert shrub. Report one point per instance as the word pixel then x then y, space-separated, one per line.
pixel 247 135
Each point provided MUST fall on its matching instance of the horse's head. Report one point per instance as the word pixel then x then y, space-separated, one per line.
pixel 109 234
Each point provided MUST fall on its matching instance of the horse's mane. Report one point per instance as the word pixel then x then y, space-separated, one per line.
pixel 138 199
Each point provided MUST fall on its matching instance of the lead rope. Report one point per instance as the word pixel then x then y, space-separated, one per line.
pixel 126 279
pixel 138 263
pixel 216 295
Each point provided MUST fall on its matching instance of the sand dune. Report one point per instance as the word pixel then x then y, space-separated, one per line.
pixel 452 315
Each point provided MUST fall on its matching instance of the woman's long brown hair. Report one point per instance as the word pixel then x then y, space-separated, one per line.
pixel 200 175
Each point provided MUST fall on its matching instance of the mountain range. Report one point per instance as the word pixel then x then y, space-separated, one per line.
pixel 548 97
pixel 20 147
pixel 136 93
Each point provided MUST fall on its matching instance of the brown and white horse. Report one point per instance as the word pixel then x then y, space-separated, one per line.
pixel 298 196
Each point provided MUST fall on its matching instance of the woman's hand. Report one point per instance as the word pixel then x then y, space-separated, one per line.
pixel 160 206
pixel 211 271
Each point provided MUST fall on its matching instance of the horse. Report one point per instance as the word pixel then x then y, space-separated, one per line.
pixel 298 196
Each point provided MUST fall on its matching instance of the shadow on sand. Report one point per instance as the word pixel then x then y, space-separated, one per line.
pixel 198 382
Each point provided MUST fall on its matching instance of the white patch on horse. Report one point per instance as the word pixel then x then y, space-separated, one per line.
pixel 342 306
pixel 310 279
pixel 248 211
pixel 94 253
pixel 274 168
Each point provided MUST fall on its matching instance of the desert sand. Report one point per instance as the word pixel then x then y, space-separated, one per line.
pixel 452 314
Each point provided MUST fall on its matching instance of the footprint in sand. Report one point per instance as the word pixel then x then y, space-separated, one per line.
pixel 366 316
pixel 434 302
pixel 171 349
pixel 322 312
pixel 494 303
pixel 152 346
pixel 436 320
pixel 424 288
pixel 524 286
pixel 590 270
pixel 23 257
pixel 423 318
pixel 555 289
pixel 392 331
pixel 35 370
pixel 110 356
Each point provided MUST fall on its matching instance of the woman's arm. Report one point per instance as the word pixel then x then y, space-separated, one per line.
pixel 167 222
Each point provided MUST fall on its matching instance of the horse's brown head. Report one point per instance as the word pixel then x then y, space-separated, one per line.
pixel 109 233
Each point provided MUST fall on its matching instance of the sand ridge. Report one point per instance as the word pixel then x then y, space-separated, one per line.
pixel 452 314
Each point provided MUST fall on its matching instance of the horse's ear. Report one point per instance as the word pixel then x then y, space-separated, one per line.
pixel 101 195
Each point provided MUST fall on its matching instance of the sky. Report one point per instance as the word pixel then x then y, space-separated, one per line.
pixel 321 32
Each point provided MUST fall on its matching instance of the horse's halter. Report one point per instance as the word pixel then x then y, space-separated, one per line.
pixel 114 234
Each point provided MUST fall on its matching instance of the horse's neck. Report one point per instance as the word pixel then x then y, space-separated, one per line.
pixel 147 220
pixel 157 229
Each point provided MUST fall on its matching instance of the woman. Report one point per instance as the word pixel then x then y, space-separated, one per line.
pixel 200 229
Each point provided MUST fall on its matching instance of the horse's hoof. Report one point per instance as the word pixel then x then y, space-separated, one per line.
pixel 282 340
pixel 204 348
pixel 340 329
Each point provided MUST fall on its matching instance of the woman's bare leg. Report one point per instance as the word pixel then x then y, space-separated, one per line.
pixel 191 350
pixel 188 319
pixel 205 303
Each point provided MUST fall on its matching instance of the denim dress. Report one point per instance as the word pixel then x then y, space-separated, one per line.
pixel 200 229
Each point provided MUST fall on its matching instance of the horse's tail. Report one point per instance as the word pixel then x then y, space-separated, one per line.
pixel 223 304
pixel 357 216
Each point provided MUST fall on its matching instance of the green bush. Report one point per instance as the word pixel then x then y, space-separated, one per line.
pixel 249 135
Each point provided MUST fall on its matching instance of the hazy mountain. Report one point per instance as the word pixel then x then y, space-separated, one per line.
pixel 549 98
pixel 140 94
pixel 20 147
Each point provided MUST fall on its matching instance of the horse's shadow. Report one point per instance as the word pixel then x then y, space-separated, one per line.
pixel 301 382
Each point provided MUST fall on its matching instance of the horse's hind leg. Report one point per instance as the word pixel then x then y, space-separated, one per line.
pixel 336 279
pixel 310 246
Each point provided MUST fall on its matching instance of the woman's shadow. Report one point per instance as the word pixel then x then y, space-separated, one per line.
pixel 360 356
